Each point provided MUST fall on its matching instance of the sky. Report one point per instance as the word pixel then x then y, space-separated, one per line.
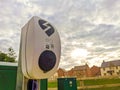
pixel 89 29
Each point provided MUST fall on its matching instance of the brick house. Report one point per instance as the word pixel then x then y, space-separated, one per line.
pixel 70 73
pixel 53 77
pixel 61 72
pixel 110 68
pixel 77 71
pixel 95 71
pixel 81 71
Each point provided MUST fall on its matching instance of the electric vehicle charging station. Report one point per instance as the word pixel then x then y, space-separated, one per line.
pixel 39 55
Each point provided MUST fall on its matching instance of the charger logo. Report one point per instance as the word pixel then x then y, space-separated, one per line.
pixel 48 28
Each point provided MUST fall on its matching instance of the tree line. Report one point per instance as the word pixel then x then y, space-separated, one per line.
pixel 10 56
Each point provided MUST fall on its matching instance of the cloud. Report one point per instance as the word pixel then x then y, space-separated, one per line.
pixel 90 25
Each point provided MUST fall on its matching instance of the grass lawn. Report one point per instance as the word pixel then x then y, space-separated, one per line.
pixel 105 88
pixel 91 82
pixel 101 81
pixel 52 84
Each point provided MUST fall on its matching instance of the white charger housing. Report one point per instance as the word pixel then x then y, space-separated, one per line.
pixel 40 49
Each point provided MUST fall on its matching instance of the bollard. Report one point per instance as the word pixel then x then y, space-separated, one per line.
pixel 44 84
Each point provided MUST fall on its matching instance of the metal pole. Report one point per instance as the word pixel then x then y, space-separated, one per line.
pixel 19 72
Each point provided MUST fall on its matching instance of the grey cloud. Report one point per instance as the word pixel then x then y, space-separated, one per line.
pixel 77 21
pixel 5 43
pixel 108 34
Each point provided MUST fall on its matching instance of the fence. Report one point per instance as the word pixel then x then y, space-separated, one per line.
pixel 98 82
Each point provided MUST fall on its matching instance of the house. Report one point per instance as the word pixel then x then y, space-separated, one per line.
pixel 81 71
pixel 70 73
pixel 61 72
pixel 95 71
pixel 77 71
pixel 53 77
pixel 110 68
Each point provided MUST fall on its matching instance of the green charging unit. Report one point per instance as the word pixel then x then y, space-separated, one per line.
pixel 67 84
pixel 8 74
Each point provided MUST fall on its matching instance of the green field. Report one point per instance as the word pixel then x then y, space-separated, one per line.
pixel 101 81
pixel 104 88
pixel 92 82
pixel 52 84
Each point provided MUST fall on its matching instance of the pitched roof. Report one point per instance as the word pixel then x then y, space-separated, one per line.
pixel 61 69
pixel 110 63
pixel 83 67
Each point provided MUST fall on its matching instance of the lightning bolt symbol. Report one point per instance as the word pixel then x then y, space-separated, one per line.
pixel 47 26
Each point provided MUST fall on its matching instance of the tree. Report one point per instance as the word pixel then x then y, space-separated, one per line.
pixel 3 56
pixel 9 57
pixel 11 53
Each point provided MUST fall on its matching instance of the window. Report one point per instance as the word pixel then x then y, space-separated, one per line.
pixel 110 72
pixel 116 67
pixel 104 69
pixel 118 73
pixel 104 74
